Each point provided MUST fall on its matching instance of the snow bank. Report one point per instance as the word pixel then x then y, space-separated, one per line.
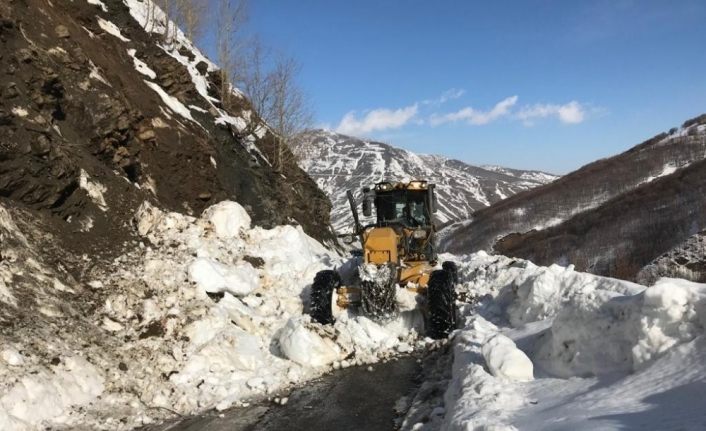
pixel 600 335
pixel 525 292
pixel 538 293
pixel 600 348
pixel 476 399
pixel 635 324
pixel 504 359
pixel 48 394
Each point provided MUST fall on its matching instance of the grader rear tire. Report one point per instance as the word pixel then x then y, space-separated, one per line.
pixel 450 266
pixel 441 298
pixel 322 289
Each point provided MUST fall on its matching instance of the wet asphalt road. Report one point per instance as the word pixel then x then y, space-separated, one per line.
pixel 352 399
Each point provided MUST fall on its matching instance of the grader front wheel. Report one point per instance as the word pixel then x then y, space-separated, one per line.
pixel 379 294
pixel 322 289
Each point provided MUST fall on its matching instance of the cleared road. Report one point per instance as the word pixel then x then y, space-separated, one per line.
pixel 352 399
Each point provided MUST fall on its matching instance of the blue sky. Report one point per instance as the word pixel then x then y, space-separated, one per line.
pixel 548 85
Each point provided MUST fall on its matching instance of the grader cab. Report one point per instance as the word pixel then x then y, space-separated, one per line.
pixel 397 252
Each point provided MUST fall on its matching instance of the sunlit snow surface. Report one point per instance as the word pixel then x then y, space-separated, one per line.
pixel 539 348
pixel 607 354
pixel 112 29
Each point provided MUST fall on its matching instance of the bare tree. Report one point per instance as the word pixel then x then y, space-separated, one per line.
pixel 171 11
pixel 151 7
pixel 190 16
pixel 289 113
pixel 270 85
pixel 230 42
pixel 276 98
pixel 254 80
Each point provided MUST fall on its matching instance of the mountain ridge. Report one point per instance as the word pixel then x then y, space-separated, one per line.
pixel 566 221
pixel 340 162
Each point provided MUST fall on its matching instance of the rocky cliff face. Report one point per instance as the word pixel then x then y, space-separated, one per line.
pixel 687 260
pixel 97 114
pixel 339 163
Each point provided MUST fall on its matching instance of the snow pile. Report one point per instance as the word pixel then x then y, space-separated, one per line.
pixel 551 348
pixel 476 399
pixel 239 279
pixel 210 312
pixel 43 377
pixel 49 394
pixel 228 218
pixel 306 347
pixel 634 330
pixel 504 359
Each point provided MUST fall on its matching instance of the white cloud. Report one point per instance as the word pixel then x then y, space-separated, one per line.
pixel 476 117
pixel 377 119
pixel 569 113
pixel 382 119
pixel 451 94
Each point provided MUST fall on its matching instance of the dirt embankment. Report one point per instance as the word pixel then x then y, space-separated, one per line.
pixel 78 121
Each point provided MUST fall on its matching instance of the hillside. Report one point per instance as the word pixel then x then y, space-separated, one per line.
pixel 338 163
pixel 106 127
pixel 686 260
pixel 89 97
pixel 610 217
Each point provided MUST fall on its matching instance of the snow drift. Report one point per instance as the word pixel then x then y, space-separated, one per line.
pixel 596 335
pixel 594 350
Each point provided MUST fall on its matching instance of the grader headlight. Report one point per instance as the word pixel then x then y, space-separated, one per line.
pixel 417 185
pixel 419 234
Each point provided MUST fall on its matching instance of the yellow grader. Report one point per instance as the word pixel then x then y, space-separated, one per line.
pixel 398 252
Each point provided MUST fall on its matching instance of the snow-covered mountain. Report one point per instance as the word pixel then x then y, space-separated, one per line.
pixel 538 176
pixel 338 163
